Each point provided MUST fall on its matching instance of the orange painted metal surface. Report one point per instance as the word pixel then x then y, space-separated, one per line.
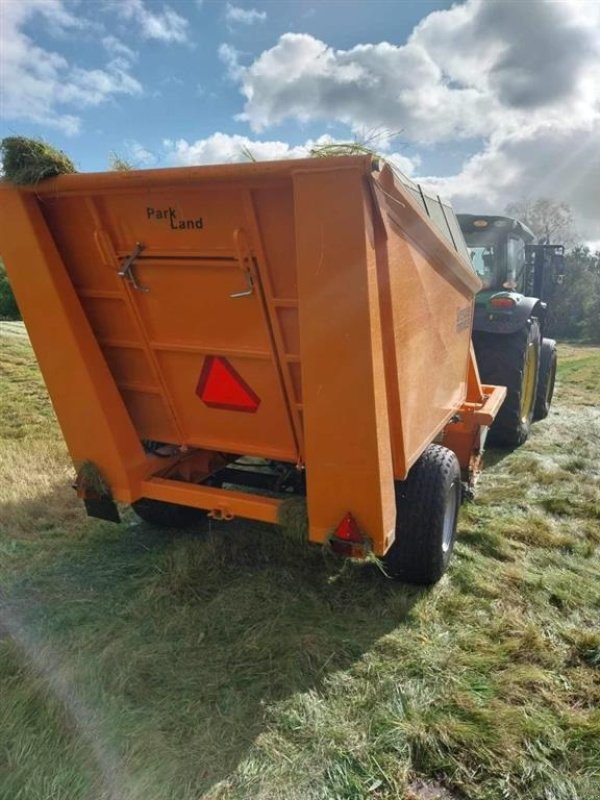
pixel 302 311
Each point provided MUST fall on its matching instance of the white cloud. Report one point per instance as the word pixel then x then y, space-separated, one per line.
pixel 230 57
pixel 406 164
pixel 166 26
pixel 222 148
pixel 463 72
pixel 138 155
pixel 400 88
pixel 528 56
pixel 523 77
pixel 543 162
pixel 243 16
pixel 115 47
pixel 41 86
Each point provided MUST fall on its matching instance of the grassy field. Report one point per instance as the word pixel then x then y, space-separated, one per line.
pixel 229 663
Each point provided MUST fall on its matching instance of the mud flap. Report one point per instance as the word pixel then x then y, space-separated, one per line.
pixel 102 508
pixel 95 493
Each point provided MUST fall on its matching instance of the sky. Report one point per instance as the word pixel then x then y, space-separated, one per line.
pixel 484 101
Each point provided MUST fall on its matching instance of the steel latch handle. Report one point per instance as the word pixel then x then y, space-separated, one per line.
pixel 245 259
pixel 249 290
pixel 126 272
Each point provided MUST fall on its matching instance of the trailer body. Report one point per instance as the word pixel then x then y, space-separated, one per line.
pixel 305 312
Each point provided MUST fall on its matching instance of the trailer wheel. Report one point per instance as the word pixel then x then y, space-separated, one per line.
pixel 161 514
pixel 427 505
pixel 511 360
pixel 546 378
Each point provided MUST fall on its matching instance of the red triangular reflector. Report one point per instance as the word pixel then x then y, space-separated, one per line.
pixel 220 386
pixel 348 530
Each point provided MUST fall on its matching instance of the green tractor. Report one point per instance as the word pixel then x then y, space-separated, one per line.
pixel 519 279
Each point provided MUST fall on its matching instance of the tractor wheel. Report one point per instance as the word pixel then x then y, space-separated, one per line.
pixel 511 360
pixel 160 514
pixel 427 505
pixel 546 378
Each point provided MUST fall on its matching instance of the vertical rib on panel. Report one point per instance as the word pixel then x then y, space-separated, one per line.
pixel 348 454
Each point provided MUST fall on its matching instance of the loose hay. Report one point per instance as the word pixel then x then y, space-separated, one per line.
pixel 90 480
pixel 343 149
pixel 293 519
pixel 26 162
pixel 119 164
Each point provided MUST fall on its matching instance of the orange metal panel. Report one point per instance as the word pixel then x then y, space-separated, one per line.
pixel 348 455
pixel 184 311
pixel 486 412
pixel 474 387
pixel 223 503
pixel 91 413
pixel 464 434
pixel 253 174
pixel 427 306
pixel 282 336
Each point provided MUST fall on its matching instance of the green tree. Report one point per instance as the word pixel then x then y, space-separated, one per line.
pixel 8 304
pixel 551 222
pixel 574 312
pixel 591 305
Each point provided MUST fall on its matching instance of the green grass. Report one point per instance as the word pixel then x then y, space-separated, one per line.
pixel 231 663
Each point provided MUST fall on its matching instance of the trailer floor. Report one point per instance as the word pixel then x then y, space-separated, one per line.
pixel 231 664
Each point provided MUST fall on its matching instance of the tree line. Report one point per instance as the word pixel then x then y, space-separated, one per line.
pixel 574 311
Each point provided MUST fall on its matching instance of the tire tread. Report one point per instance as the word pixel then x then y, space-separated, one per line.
pixel 501 359
pixel 160 514
pixel 416 555
pixel 547 374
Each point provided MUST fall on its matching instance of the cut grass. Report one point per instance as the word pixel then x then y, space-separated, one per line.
pixel 26 162
pixel 231 664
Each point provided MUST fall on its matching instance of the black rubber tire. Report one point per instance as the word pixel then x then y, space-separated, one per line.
pixel 501 361
pixel 430 494
pixel 546 378
pixel 160 514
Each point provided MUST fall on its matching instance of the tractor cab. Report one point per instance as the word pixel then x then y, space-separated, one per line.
pixel 498 250
pixel 507 262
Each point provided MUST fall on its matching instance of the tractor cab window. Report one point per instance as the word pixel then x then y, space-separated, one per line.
pixel 515 265
pixel 483 259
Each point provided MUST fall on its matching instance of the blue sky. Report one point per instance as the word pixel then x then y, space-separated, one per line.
pixel 481 112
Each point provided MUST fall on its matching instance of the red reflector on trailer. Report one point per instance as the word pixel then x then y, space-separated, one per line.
pixel 221 386
pixel 347 539
pixel 348 530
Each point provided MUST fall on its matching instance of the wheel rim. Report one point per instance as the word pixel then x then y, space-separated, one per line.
pixel 528 386
pixel 449 518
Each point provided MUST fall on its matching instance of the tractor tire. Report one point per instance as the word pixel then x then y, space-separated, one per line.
pixel 427 505
pixel 511 360
pixel 546 378
pixel 160 514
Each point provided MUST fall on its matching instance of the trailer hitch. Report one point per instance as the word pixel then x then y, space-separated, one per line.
pixel 126 272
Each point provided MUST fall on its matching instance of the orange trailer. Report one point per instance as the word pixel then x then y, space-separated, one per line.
pixel 299 326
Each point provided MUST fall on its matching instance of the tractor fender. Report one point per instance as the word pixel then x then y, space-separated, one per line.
pixel 509 321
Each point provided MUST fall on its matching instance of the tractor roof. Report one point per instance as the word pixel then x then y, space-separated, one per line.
pixel 468 222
